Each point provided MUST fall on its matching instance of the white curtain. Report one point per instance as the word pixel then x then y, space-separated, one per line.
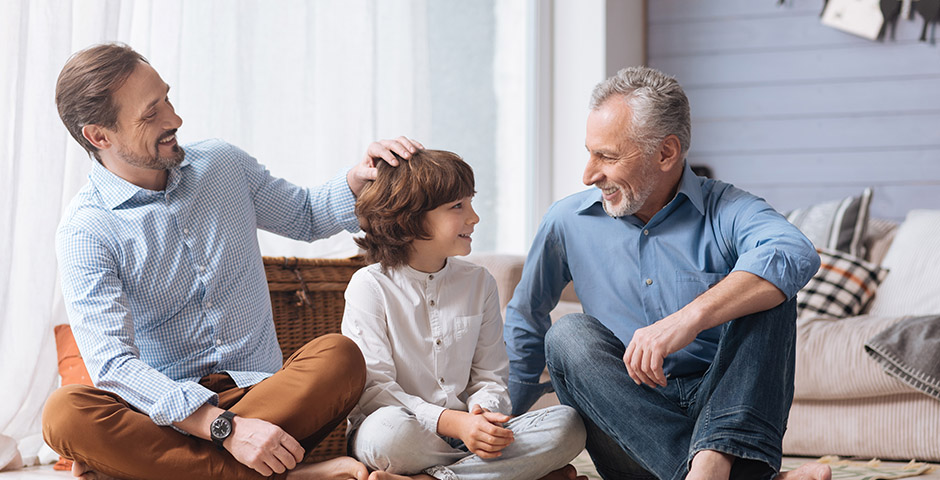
pixel 303 86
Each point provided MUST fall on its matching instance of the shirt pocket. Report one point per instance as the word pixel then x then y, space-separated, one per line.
pixel 466 336
pixel 689 285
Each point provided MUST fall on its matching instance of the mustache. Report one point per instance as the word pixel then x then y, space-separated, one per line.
pixel 167 135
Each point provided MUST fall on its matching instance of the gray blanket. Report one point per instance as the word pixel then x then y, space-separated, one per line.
pixel 910 351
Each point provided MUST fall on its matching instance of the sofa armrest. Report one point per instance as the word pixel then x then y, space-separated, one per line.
pixel 507 270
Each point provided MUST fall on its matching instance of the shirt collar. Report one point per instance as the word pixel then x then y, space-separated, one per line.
pixel 115 191
pixel 412 273
pixel 690 185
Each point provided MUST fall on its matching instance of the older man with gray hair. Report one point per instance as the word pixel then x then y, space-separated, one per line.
pixel 682 363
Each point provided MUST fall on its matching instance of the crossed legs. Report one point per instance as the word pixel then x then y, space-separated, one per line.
pixel 308 397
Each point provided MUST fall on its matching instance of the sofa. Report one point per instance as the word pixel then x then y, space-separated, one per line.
pixel 844 402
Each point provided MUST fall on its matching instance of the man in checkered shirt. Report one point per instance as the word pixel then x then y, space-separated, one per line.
pixel 166 294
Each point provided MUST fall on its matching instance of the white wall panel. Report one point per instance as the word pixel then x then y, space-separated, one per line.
pixel 798 112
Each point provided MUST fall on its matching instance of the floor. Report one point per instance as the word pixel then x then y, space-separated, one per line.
pixel 583 461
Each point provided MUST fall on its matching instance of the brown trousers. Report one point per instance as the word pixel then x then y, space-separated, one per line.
pixel 312 393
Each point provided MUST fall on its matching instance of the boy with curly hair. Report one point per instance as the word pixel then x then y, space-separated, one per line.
pixel 436 402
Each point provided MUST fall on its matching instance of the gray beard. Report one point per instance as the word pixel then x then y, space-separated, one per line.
pixel 628 206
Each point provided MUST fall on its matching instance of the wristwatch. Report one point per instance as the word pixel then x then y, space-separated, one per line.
pixel 221 428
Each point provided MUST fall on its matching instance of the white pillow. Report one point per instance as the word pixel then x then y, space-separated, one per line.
pixel 912 286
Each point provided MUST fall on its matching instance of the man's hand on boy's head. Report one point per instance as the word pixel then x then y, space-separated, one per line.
pixel 365 170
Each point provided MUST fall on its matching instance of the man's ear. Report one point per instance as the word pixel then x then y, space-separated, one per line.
pixel 670 153
pixel 97 135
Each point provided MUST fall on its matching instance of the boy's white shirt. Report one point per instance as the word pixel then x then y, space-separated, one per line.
pixel 431 341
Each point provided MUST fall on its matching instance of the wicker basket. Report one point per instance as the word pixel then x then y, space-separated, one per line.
pixel 307 301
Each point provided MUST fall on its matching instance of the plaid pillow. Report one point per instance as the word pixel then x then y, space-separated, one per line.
pixel 841 287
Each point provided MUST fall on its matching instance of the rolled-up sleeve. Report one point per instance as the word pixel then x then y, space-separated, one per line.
pixel 769 246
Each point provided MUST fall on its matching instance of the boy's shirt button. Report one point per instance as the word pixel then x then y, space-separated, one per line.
pixel 438 341
pixel 431 303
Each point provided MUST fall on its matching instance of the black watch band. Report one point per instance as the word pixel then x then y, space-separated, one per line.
pixel 221 428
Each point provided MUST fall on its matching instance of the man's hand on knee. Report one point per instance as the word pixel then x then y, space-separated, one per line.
pixel 651 344
pixel 263 446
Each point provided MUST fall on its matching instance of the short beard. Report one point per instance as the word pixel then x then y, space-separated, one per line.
pixel 631 204
pixel 628 206
pixel 154 162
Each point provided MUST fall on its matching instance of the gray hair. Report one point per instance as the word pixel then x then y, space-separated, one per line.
pixel 660 107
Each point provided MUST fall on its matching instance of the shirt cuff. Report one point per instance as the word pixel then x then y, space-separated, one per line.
pixel 344 203
pixel 525 394
pixel 788 271
pixel 180 402
pixel 428 414
pixel 491 403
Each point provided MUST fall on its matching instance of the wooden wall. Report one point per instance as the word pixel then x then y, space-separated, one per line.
pixel 798 112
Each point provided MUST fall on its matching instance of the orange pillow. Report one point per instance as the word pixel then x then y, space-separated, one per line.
pixel 71 369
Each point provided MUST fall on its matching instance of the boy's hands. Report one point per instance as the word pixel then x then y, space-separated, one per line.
pixel 480 429
pixel 365 170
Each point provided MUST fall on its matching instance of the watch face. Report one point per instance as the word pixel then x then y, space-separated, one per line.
pixel 221 428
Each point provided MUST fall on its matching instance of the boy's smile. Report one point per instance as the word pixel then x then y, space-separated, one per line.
pixel 449 227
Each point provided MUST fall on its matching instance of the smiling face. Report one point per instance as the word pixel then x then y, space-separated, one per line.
pixel 449 227
pixel 141 146
pixel 145 135
pixel 617 166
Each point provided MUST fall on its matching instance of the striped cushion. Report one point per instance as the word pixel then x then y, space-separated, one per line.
pixel 841 287
pixel 838 225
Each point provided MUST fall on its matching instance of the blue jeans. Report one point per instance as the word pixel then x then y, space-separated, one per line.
pixel 739 406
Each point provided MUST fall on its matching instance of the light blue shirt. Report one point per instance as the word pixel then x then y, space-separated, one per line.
pixel 628 274
pixel 165 287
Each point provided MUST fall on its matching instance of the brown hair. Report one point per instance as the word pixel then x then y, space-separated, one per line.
pixel 392 208
pixel 84 90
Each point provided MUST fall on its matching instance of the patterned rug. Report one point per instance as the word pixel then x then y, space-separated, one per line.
pixel 865 470
pixel 841 469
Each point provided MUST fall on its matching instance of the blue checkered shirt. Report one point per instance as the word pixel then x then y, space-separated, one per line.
pixel 165 287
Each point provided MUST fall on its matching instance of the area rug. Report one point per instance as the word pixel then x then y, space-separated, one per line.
pixel 864 470
pixel 841 469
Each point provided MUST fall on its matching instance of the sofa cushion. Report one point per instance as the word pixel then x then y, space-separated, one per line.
pixel 71 369
pixel 831 363
pixel 837 225
pixel 841 287
pixel 913 286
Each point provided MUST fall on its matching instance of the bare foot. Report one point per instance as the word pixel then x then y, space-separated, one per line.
pixel 807 471
pixel 710 465
pixel 84 472
pixel 339 468
pixel 568 472
pixel 380 475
